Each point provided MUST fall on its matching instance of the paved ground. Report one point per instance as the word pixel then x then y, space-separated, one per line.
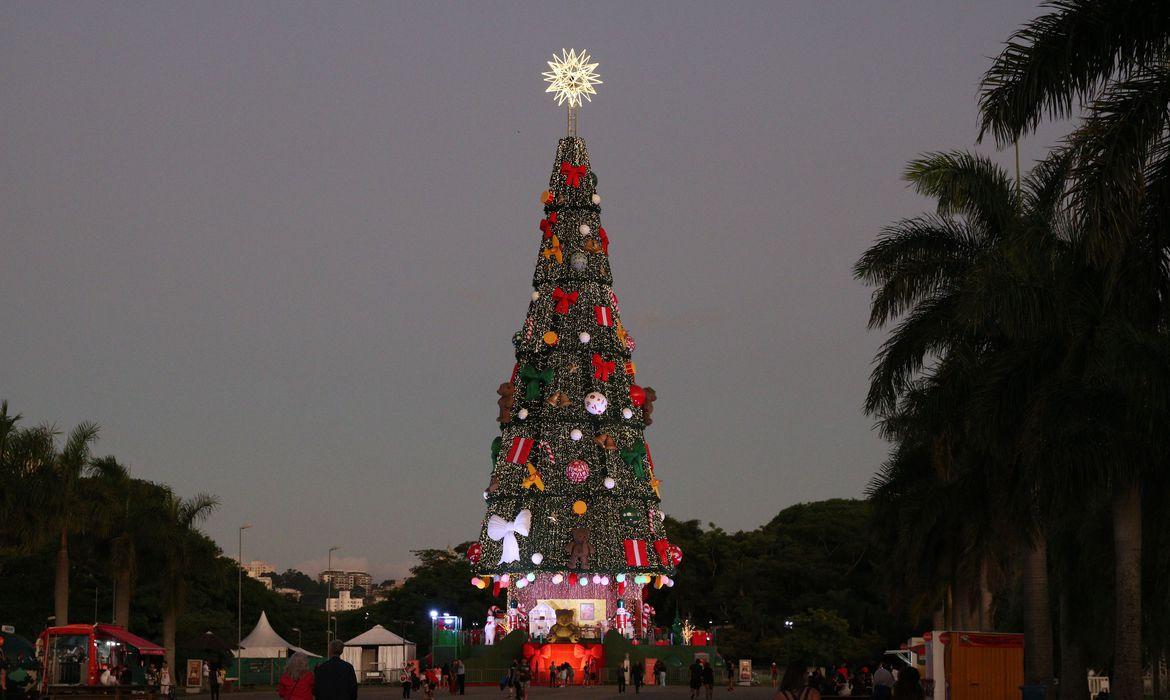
pixel 492 693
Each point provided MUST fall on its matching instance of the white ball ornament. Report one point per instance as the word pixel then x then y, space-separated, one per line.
pixel 597 578
pixel 505 578
pixel 579 262
pixel 596 403
pixel 627 413
pixel 531 576
pixel 557 578
pixel 535 295
pixel 584 581
pixel 609 482
pixel 584 229
pixel 575 434
pixel 596 199
pixel 585 337
pixel 605 580
pixel 619 578
pixel 522 413
pixel 522 583
pixel 537 557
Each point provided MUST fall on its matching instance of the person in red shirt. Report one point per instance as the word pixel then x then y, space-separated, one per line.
pixel 296 683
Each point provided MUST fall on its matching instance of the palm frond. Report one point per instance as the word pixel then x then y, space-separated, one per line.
pixel 1068 55
pixel 968 184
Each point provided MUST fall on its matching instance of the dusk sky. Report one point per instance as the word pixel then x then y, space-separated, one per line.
pixel 278 250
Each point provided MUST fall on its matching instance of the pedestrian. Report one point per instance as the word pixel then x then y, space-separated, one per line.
pixel 213 679
pixel 793 685
pixel 428 688
pixel 708 678
pixel 415 679
pixel 883 682
pixel 404 680
pixel 729 672
pixel 335 679
pixel 552 675
pixel 696 679
pixel 461 676
pixel 775 675
pixel 908 685
pixel 637 673
pixel 569 673
pixel 623 674
pixel 296 683
pixel 164 680
pixel 523 679
pixel 660 672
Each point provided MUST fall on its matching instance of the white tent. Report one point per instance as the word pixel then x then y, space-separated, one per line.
pixel 264 643
pixel 378 652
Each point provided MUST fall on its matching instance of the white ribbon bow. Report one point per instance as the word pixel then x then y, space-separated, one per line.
pixel 505 531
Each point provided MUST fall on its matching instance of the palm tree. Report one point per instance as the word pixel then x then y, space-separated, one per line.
pixel 964 284
pixel 117 494
pixel 174 520
pixel 1110 58
pixel 59 503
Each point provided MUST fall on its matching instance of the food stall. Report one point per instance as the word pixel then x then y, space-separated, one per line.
pixel 75 656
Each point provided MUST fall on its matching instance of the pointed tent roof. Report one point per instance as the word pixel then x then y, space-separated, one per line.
pixel 377 636
pixel 263 642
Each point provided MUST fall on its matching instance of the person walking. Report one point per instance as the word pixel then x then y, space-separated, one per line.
pixel 213 679
pixel 296 683
pixel 775 675
pixel 523 680
pixel 708 678
pixel 335 679
pixel 638 673
pixel 624 676
pixel 660 672
pixel 696 679
pixel 909 685
pixel 794 686
pixel 404 680
pixel 164 680
pixel 729 672
pixel 883 682
pixel 461 676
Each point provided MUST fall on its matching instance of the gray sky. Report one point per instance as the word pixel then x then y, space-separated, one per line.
pixel 278 250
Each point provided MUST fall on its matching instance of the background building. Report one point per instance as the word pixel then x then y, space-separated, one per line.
pixel 343 602
pixel 346 580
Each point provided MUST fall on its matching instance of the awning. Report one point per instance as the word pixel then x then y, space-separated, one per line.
pixel 143 646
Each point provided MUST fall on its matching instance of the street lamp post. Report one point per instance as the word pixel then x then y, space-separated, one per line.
pixel 240 591
pixel 434 616
pixel 328 594
pixel 298 631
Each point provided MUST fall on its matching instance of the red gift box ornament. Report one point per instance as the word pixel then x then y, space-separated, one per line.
pixel 518 453
pixel 604 315
pixel 636 554
pixel 572 173
pixel 602 368
pixel 660 546
pixel 564 300
pixel 474 552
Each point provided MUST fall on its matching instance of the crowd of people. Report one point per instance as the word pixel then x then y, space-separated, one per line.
pixel 885 682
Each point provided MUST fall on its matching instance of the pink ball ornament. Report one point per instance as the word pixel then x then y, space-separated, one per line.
pixel 577 471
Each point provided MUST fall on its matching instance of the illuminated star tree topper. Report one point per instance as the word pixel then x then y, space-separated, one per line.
pixel 570 78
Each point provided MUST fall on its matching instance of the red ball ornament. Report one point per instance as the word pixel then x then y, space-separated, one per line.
pixel 637 395
pixel 474 552
pixel 572 579
pixel 577 471
pixel 674 555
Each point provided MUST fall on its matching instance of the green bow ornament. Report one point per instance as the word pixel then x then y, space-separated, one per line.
pixel 635 458
pixel 534 380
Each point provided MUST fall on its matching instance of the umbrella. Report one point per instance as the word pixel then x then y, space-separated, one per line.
pixel 13 645
pixel 208 641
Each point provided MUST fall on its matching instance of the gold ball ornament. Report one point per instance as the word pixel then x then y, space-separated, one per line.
pixel 550 338
pixel 579 507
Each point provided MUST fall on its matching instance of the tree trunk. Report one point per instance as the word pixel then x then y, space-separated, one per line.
pixel 1037 614
pixel 170 623
pixel 61 582
pixel 123 591
pixel 1073 669
pixel 1125 682
pixel 986 624
pixel 939 621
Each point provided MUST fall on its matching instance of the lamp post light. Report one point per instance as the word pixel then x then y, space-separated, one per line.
pixel 240 591
pixel 328 594
pixel 298 631
pixel 434 617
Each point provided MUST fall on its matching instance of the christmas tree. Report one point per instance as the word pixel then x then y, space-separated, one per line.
pixel 573 501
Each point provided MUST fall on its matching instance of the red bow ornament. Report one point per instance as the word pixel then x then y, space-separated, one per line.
pixel 603 368
pixel 572 173
pixel 546 225
pixel 564 300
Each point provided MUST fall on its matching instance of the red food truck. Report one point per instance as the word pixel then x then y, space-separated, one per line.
pixel 77 655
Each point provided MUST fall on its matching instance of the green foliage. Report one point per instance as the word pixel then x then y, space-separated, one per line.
pixel 811 556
